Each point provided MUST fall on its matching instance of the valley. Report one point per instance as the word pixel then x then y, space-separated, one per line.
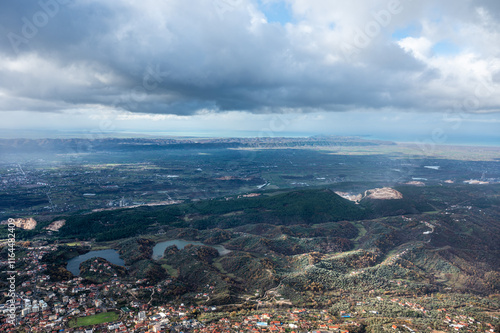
pixel 295 255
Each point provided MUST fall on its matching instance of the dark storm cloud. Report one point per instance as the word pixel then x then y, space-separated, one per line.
pixel 52 26
pixel 179 57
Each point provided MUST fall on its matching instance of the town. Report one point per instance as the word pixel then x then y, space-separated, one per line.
pixel 78 306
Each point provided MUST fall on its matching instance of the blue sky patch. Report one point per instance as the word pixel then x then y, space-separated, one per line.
pixel 276 11
pixel 445 48
pixel 412 30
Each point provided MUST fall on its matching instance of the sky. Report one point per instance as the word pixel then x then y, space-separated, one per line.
pixel 393 69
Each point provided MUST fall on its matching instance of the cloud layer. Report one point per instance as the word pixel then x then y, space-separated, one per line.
pixel 192 57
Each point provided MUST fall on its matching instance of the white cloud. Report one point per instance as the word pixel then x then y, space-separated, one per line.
pixel 420 47
pixel 335 55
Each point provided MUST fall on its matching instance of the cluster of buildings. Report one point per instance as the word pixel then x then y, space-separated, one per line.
pixel 410 305
pixel 98 267
pixel 43 305
pixel 464 323
pixel 296 320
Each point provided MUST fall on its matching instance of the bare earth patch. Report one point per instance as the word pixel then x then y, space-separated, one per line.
pixel 56 225
pixel 415 183
pixel 385 193
pixel 26 224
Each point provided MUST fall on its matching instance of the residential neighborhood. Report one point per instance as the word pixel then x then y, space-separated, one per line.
pixel 75 305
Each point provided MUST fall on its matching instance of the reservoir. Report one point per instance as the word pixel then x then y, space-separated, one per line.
pixel 159 248
pixel 110 255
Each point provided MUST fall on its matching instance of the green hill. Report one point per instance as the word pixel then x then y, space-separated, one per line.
pixel 313 240
pixel 290 208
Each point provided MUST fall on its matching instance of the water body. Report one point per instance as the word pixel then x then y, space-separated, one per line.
pixel 110 255
pixel 159 248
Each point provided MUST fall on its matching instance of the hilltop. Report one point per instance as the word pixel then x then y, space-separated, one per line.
pixel 288 208
pixel 305 239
